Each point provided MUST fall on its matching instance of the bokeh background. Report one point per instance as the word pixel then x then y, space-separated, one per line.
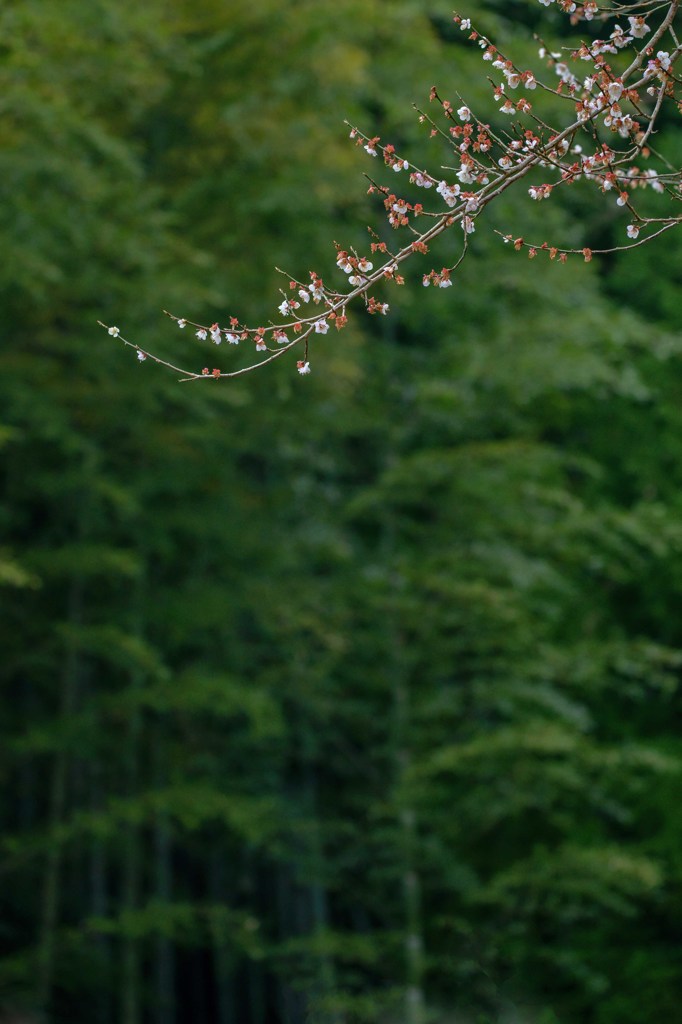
pixel 346 699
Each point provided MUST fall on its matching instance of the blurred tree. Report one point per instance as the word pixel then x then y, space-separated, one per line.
pixel 352 710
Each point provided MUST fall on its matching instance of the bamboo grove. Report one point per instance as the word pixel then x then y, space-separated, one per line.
pixel 349 697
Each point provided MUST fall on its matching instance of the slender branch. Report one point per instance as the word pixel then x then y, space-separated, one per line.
pixel 491 161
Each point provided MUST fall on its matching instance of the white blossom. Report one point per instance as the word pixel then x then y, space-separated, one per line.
pixel 466 174
pixel 620 38
pixel 638 27
pixel 651 177
pixel 450 192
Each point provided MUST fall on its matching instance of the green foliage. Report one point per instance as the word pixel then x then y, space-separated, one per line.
pixel 324 696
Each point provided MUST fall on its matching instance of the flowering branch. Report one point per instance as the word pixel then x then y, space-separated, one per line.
pixel 608 107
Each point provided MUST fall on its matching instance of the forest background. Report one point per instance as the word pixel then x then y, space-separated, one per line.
pixel 341 698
